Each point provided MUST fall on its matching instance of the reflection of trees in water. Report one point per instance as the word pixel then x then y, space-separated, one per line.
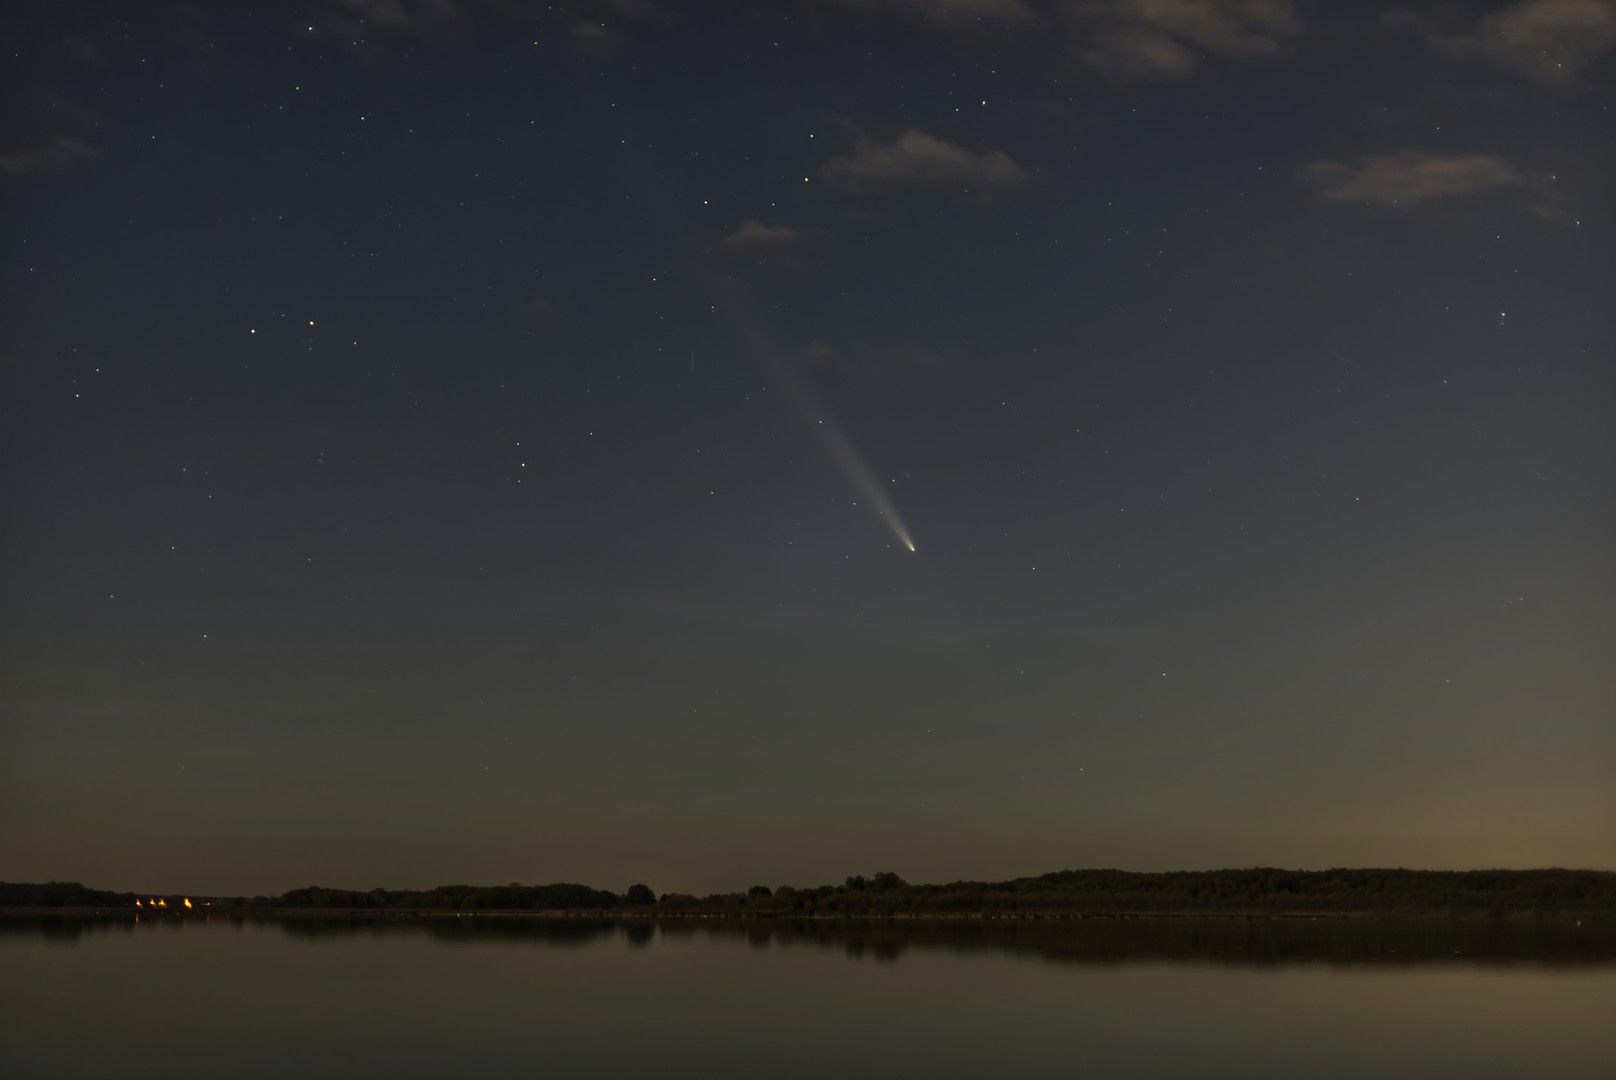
pixel 68 928
pixel 453 929
pixel 1234 941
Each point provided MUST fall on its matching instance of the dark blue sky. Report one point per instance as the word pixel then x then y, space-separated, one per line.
pixel 418 458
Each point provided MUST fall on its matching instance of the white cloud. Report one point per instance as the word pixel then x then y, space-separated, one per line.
pixel 958 13
pixel 1554 40
pixel 916 157
pixel 60 150
pixel 1167 39
pixel 754 235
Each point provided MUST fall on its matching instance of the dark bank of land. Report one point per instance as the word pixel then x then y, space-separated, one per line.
pixel 1066 893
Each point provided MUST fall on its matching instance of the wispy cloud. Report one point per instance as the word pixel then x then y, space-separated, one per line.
pixel 632 10
pixel 915 157
pixel 588 20
pixel 60 150
pixel 1130 40
pixel 593 32
pixel 1413 178
pixel 600 22
pixel 1553 40
pixel 958 13
pixel 1410 178
pixel 754 235
pixel 1124 40
pixel 400 14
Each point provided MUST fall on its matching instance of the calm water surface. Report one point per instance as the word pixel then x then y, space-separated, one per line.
pixel 487 997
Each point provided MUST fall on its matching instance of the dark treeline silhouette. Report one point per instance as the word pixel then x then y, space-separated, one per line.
pixel 1254 891
pixel 57 894
pixel 513 897
pixel 1067 892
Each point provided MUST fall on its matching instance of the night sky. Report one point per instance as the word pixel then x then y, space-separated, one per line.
pixel 475 440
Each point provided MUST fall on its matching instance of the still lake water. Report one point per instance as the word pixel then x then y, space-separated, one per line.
pixel 500 997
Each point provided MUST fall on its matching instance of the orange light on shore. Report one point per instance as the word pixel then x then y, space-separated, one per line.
pixel 137 901
pixel 187 903
pixel 162 901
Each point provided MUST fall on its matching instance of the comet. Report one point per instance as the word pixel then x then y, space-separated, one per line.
pixel 743 317
pixel 846 456
pixel 838 445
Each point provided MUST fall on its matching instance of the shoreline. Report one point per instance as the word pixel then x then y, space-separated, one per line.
pixel 611 915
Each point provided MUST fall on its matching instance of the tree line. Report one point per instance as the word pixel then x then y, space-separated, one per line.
pixel 1256 891
pixel 1074 892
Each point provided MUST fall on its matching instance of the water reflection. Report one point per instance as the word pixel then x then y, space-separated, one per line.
pixel 497 997
pixel 1254 942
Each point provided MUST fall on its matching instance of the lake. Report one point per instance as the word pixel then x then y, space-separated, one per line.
pixel 489 996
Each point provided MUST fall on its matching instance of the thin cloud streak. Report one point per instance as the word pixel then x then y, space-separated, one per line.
pixel 1411 177
pixel 916 157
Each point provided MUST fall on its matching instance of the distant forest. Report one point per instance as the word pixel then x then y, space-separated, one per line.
pixel 1064 893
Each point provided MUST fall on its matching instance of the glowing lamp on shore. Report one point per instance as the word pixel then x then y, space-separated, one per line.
pixel 187 903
